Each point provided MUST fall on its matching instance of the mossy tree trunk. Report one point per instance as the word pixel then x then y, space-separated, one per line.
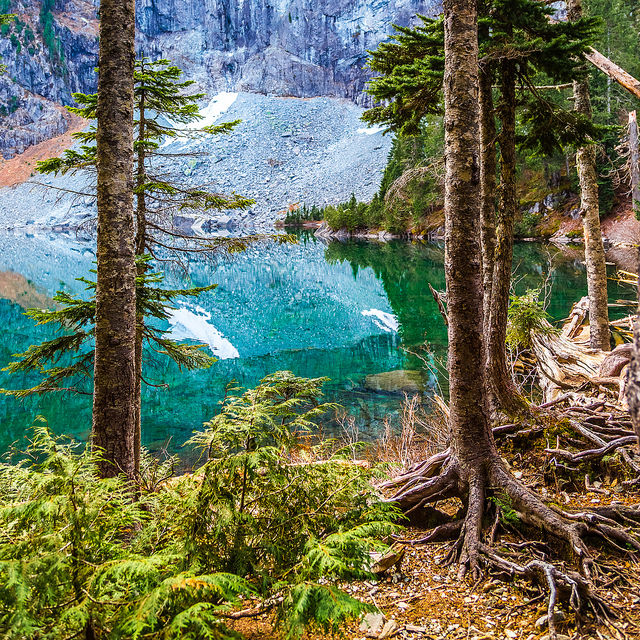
pixel 487 185
pixel 503 394
pixel 472 443
pixel 590 212
pixel 114 404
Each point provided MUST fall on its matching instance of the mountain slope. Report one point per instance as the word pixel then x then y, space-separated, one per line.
pixel 298 48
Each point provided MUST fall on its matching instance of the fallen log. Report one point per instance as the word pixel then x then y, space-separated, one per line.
pixel 622 77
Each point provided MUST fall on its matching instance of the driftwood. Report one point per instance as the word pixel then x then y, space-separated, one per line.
pixel 573 325
pixel 568 366
pixel 569 370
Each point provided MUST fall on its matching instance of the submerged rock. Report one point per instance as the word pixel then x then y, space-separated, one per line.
pixel 398 381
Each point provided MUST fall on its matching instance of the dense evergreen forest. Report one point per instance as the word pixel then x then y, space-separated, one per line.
pixel 503 504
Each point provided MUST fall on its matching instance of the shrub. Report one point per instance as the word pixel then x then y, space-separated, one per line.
pixel 79 557
pixel 526 225
pixel 526 314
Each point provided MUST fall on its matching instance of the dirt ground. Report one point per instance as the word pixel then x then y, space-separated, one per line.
pixel 22 167
pixel 426 600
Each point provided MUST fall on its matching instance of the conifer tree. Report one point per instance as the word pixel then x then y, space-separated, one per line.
pixel 519 45
pixel 472 468
pixel 164 109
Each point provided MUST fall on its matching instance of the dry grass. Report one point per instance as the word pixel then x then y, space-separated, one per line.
pixel 423 432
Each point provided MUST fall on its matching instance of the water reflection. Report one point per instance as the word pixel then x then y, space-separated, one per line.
pixel 344 310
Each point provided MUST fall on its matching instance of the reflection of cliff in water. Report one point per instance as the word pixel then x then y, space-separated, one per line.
pixel 405 270
pixel 345 311
pixel 275 307
pixel 16 288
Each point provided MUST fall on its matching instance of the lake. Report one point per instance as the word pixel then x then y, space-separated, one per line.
pixel 344 310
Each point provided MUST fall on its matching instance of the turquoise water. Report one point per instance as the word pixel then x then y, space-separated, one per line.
pixel 342 310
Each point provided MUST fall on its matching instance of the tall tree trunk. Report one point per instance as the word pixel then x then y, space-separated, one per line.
pixel 634 161
pixel 633 383
pixel 463 261
pixel 471 438
pixel 114 382
pixel 487 185
pixel 503 394
pixel 590 211
pixel 140 248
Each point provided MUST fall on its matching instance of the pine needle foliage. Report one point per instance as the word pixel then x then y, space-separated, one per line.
pixel 65 362
pixel 165 109
pixel 255 523
pixel 77 557
pixel 270 509
pixel 411 71
pixel 411 68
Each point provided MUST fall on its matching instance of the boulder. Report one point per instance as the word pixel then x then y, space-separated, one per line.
pixel 398 381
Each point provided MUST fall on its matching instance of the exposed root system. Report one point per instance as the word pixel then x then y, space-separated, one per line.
pixel 493 497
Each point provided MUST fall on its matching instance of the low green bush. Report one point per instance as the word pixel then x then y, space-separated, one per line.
pixel 526 314
pixel 79 557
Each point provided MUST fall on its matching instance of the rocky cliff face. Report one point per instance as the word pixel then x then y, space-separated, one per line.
pixel 296 48
pixel 50 51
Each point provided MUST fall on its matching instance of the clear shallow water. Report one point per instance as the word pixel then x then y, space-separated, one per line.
pixel 342 310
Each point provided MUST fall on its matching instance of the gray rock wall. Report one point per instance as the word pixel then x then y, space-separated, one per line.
pixel 295 48
pixel 298 48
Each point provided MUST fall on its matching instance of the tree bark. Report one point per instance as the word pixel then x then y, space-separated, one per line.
pixel 472 467
pixel 590 212
pixel 503 394
pixel 140 248
pixel 471 439
pixel 633 380
pixel 114 382
pixel 487 186
pixel 634 161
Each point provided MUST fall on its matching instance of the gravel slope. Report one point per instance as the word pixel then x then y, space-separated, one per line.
pixel 285 151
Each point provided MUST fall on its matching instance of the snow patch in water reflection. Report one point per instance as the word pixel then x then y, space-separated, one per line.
pixel 193 325
pixel 385 321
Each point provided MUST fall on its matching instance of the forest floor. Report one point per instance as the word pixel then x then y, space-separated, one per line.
pixel 425 599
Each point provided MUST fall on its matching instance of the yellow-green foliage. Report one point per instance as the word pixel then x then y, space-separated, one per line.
pixel 79 557
pixel 526 314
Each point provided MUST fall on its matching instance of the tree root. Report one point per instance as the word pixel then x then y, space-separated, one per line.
pixel 568 586
pixel 445 477
pixel 592 454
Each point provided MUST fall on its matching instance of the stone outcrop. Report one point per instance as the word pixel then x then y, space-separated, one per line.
pixel 299 48
pixel 44 69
